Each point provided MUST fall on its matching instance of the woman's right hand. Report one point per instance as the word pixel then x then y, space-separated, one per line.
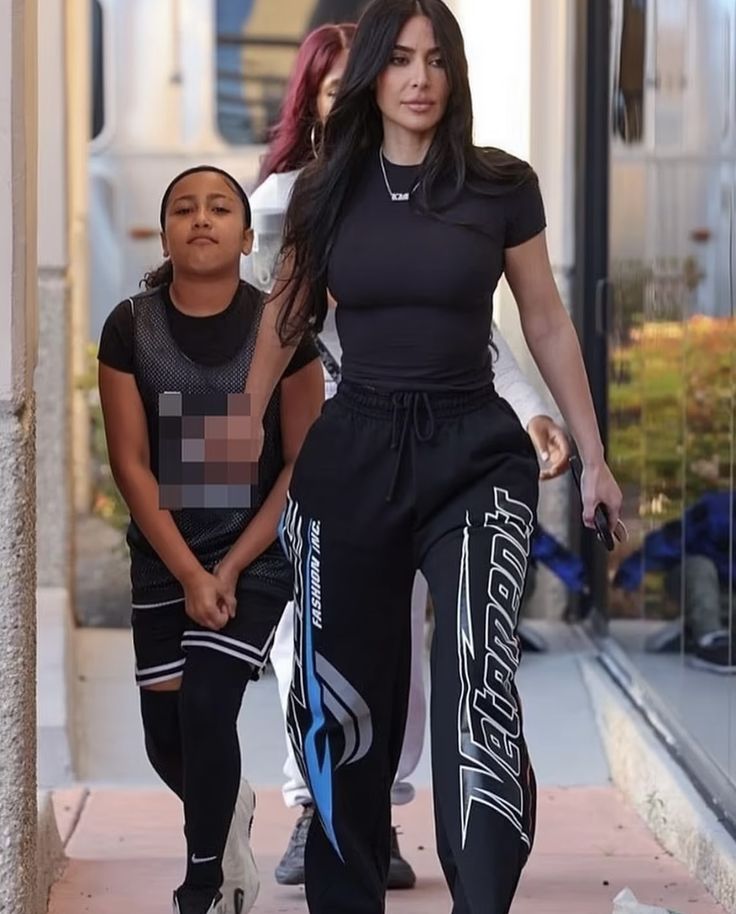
pixel 207 601
pixel 256 442
pixel 244 431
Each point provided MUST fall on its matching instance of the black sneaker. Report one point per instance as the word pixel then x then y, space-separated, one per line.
pixel 290 870
pixel 715 652
pixel 400 873
pixel 197 901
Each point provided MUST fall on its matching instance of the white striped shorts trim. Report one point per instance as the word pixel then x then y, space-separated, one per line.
pixel 163 634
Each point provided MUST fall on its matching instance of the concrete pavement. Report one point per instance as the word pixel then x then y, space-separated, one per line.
pixel 126 856
pixel 123 834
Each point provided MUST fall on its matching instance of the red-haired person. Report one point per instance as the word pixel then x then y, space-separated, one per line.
pixel 295 142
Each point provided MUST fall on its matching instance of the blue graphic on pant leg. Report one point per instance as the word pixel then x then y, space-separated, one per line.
pixel 281 532
pixel 319 772
pixel 318 688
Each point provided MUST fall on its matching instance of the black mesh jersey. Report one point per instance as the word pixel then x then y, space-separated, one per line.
pixel 210 340
pixel 160 367
pixel 414 290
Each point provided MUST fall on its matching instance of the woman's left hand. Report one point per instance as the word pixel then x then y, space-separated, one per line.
pixel 552 444
pixel 600 488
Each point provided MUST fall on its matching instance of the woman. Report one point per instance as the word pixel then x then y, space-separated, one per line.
pixel 416 462
pixel 209 580
pixel 312 88
pixel 310 94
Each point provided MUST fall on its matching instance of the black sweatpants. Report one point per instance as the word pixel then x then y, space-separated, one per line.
pixel 386 484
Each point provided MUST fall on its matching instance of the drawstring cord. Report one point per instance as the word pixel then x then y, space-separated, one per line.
pixel 411 404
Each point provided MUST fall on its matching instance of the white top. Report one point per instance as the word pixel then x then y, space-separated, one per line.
pixel 275 192
pixel 511 383
pixel 268 205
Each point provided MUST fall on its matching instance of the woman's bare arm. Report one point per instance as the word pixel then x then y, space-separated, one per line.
pixel 553 342
pixel 302 396
pixel 271 357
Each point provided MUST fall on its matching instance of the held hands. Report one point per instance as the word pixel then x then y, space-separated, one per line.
pixel 208 601
pixel 243 430
pixel 255 440
pixel 552 445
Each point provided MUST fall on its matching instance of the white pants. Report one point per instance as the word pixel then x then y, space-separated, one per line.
pixel 295 791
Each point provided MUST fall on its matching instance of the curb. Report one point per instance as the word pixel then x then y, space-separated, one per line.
pixel 659 789
pixel 50 856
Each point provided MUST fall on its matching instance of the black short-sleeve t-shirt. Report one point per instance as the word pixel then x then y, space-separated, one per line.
pixel 211 341
pixel 414 290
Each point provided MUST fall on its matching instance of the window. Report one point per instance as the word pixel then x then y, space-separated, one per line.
pixel 336 11
pixel 97 121
pixel 257 42
pixel 628 94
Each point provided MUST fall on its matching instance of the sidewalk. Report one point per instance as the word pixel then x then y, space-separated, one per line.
pixel 126 852
pixel 124 839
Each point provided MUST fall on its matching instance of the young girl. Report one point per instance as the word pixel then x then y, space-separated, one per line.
pixel 309 97
pixel 416 463
pixel 209 581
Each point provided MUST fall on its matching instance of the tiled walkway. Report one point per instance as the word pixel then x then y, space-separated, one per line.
pixel 126 855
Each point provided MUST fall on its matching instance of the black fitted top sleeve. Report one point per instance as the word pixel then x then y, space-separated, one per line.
pixel 210 341
pixel 525 215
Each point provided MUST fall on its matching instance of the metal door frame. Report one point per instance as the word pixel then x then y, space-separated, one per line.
pixel 591 283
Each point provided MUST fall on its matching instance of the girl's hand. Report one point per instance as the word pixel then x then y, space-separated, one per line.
pixel 207 601
pixel 552 444
pixel 598 487
pixel 228 575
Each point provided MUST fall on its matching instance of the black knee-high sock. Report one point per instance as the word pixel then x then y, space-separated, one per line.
pixel 160 713
pixel 210 699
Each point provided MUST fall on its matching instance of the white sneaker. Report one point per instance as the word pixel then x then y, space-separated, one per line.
pixel 240 874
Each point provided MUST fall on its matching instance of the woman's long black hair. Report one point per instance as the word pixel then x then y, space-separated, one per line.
pixel 354 131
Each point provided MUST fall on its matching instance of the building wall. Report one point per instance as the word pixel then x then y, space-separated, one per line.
pixel 18 143
pixel 77 82
pixel 52 375
pixel 54 385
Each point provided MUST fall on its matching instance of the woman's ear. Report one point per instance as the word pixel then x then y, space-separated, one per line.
pixel 164 246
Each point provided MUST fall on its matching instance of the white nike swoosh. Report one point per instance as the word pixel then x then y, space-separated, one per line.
pixel 196 859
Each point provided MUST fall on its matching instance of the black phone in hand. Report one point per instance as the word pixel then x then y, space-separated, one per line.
pixel 600 517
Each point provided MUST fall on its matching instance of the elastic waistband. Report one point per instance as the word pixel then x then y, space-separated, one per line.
pixel 381 404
